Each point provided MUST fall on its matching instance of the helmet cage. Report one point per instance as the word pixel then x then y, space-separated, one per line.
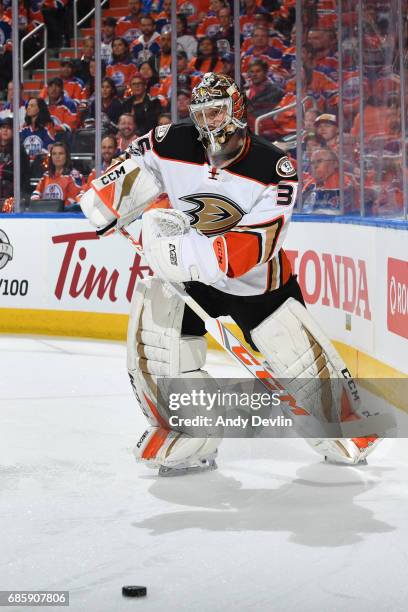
pixel 215 127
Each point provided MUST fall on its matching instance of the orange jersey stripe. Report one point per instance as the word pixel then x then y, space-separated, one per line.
pixel 244 251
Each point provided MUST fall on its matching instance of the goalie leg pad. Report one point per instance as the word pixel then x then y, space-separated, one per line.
pixel 156 347
pixel 299 352
pixel 163 447
pixel 345 450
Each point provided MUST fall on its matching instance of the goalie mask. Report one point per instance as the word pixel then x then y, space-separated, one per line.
pixel 218 111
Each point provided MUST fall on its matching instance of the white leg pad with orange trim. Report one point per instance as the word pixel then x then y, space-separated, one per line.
pixel 157 348
pixel 163 447
pixel 302 356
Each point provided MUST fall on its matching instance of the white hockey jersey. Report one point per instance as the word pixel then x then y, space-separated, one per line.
pixel 250 202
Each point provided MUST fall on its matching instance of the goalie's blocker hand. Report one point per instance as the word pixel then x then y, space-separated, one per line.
pixel 178 253
pixel 119 196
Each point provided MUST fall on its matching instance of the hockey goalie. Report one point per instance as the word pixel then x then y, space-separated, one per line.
pixel 232 196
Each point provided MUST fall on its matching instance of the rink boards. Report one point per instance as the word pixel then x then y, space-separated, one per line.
pixel 57 277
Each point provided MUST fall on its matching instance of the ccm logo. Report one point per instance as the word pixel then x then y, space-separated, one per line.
pixel 220 250
pixel 397 296
pixel 139 444
pixel 173 254
pixel 350 383
pixel 113 175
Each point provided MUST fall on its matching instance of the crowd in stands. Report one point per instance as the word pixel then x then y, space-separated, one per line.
pixel 137 84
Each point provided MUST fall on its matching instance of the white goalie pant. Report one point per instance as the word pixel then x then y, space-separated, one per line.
pixel 156 347
pixel 300 353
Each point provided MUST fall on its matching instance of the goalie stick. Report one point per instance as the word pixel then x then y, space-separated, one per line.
pixel 309 426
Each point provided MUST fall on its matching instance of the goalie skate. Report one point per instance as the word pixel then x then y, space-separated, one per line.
pixel 205 464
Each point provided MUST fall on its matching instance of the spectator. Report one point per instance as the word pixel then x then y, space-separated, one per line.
pixel 62 109
pixel 126 131
pixel 164 63
pixel 144 109
pixel 224 36
pixel 147 45
pixel 262 95
pixel 82 65
pixel 309 119
pixel 6 109
pixel 183 106
pixel 322 191
pixel 209 26
pixel 53 12
pixel 111 105
pixel 185 40
pixel 121 69
pixel 247 20
pixel 164 17
pixel 322 44
pixel 207 59
pixel 261 49
pixel 184 79
pixel 149 74
pixel 228 63
pixel 107 35
pixel 373 116
pixel 7 163
pixel 5 26
pixel 194 10
pixel 58 182
pixel 38 132
pixel 6 65
pixel 327 130
pixel 88 92
pixel 109 147
pixel 129 27
pixel 73 86
pixel 310 142
pixel 164 119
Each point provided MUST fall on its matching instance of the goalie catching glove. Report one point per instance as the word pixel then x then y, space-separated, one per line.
pixel 178 253
pixel 119 196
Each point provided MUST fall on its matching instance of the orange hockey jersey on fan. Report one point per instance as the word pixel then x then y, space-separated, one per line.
pixel 72 89
pixel 274 64
pixel 321 87
pixel 65 114
pixel 208 27
pixel 59 187
pixel 205 66
pixel 121 72
pixel 128 28
pixel 164 91
pixel 285 122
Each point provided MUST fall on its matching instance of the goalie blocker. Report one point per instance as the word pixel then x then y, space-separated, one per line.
pixel 119 196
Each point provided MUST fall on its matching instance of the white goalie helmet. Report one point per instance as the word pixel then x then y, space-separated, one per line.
pixel 217 110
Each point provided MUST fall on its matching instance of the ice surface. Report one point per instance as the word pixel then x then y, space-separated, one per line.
pixel 273 529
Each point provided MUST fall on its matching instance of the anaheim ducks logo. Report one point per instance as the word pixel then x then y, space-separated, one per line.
pixel 213 214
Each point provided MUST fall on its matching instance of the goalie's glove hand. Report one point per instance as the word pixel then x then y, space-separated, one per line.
pixel 178 253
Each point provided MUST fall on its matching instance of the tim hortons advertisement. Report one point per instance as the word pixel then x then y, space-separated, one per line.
pixel 62 264
pixel 354 278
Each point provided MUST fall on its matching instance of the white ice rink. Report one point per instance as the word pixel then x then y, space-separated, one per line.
pixel 274 529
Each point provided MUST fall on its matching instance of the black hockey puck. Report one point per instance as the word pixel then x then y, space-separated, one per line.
pixel 134 591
